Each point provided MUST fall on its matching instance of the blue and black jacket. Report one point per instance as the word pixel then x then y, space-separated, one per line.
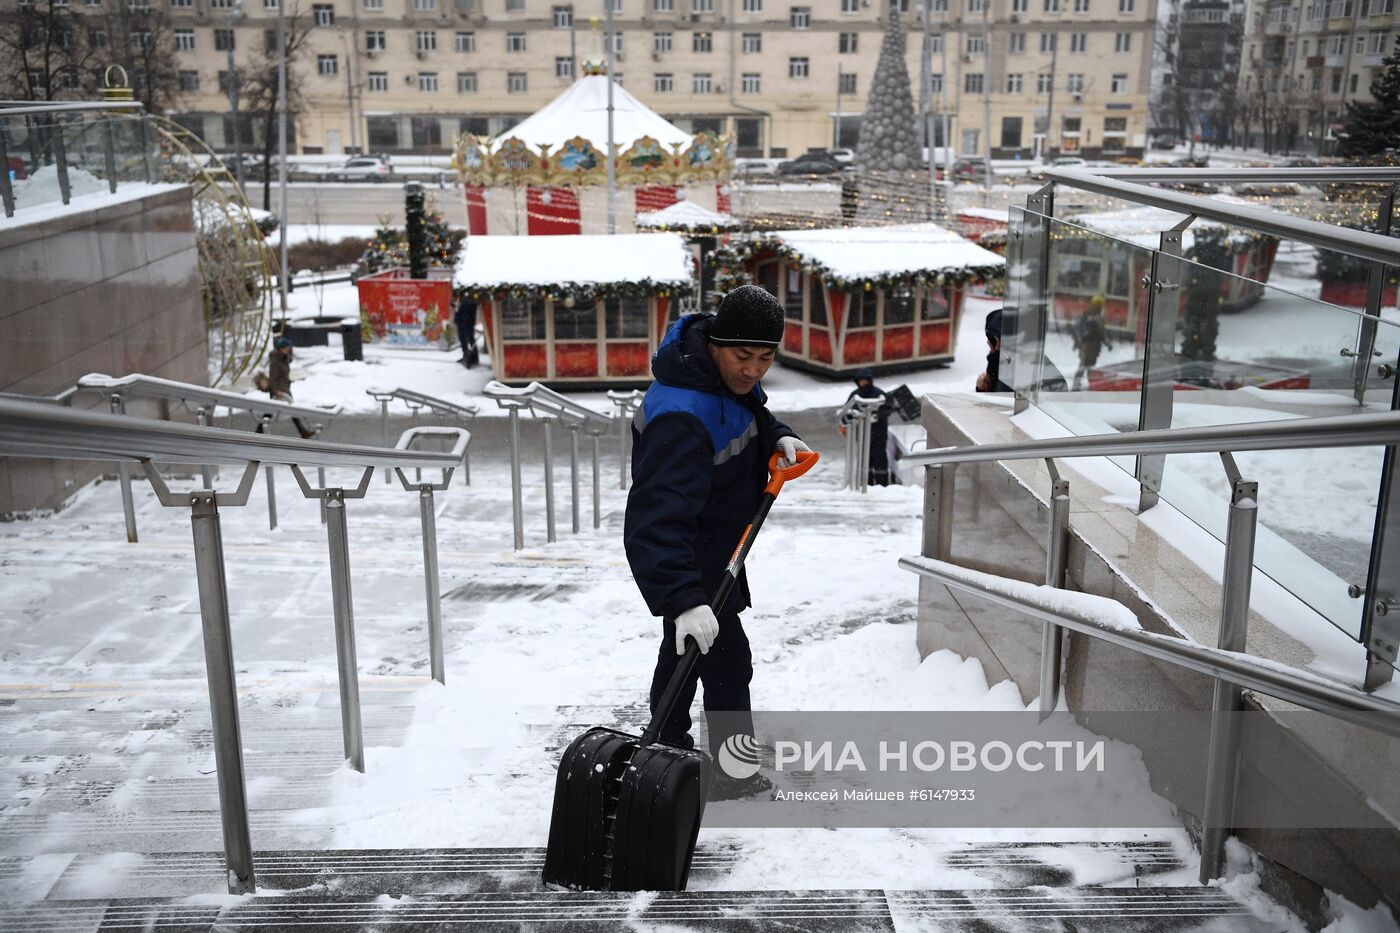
pixel 699 462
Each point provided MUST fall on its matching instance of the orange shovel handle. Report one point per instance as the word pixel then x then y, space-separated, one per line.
pixel 806 459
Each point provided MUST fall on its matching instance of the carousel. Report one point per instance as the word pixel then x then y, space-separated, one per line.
pixel 882 298
pixel 575 310
pixel 548 174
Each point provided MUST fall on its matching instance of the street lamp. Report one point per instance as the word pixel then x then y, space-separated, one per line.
pixel 235 11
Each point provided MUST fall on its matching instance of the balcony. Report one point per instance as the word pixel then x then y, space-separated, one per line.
pixel 1314 61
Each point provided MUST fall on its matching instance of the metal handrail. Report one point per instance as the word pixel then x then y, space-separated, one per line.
pixel 856 416
pixel 39 429
pixel 139 384
pixel 1341 174
pixel 1382 428
pixel 628 403
pixel 441 406
pixel 548 406
pixel 1276 680
pixel 1372 246
pixel 22 108
pixel 42 429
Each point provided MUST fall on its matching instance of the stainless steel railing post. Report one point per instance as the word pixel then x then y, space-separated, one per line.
pixel 337 536
pixel 427 513
pixel 516 507
pixel 321 483
pixel 1056 559
pixel 1223 764
pixel 124 479
pixel 223 690
pixel 384 433
pixel 573 475
pixel 206 472
pixel 549 478
pixel 597 483
pixel 263 423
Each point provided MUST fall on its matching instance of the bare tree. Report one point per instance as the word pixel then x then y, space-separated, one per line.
pixel 143 43
pixel 46 49
pixel 257 84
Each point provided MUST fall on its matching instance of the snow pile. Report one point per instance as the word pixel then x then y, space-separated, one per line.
pixel 687 215
pixel 855 253
pixel 552 261
pixel 43 186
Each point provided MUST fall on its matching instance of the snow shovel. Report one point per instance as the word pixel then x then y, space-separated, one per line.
pixel 627 809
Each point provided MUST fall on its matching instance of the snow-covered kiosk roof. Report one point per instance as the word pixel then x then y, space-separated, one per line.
pixel 580 265
pixel 1143 226
pixel 688 217
pixel 881 255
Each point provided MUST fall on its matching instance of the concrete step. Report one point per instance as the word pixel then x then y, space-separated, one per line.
pixel 1086 910
pixel 401 872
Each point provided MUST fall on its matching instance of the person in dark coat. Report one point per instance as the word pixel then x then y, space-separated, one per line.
pixel 279 380
pixel 990 380
pixel 703 437
pixel 1090 339
pixel 879 427
pixel 465 319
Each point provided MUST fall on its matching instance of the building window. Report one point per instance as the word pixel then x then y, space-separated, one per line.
pixel 1125 6
pixel 563 17
pixel 1074 83
pixel 425 40
pixel 465 42
pixel 189 80
pixel 1047 42
pixel 323 14
pixel 515 42
pixel 1043 83
pixel 972 83
pixel 374 41
pixel 374 5
pixel 1119 85
pixel 846 83
pixel 751 83
pixel 935 83
pixel 141 40
pixel 752 42
pixel 1011 132
pixel 753 6
pixel 1014 83
pixel 516 83
pixel 1123 42
pixel 515 6
pixel 466 82
pixel 701 42
pixel 184 40
pixel 1078 42
pixel 798 67
pixel 847 43
pixel 976 6
pixel 1052 6
pixel 800 17
pixel 935 43
pixel 663 83
pixel 427 82
pixel 563 66
pixel 97 38
pixel 223 40
pixel 700 83
pixel 378 81
pixel 976 45
pixel 702 6
pixel 661 42
pixel 327 65
pixel 663 6
pixel 850 7
pixel 616 44
pixel 1020 6
pixel 1017 43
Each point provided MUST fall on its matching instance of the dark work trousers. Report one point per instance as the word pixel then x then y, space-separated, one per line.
pixel 725 671
pixel 879 453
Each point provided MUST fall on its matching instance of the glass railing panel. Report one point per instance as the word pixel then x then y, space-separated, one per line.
pixel 94 148
pixel 1249 352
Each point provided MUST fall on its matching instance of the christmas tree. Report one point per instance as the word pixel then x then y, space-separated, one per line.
pixel 888 137
pixel 388 247
pixel 1373 127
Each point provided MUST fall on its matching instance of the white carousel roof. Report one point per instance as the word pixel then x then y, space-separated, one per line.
pixel 686 214
pixel 866 252
pixel 585 259
pixel 582 110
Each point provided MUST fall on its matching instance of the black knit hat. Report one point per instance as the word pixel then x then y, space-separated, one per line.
pixel 748 317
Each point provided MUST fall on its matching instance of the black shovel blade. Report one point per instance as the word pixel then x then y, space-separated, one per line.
pixel 625 814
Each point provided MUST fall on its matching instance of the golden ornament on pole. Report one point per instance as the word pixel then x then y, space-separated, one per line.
pixel 116 87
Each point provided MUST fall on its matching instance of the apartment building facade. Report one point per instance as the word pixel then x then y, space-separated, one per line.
pixel 1044 76
pixel 1304 60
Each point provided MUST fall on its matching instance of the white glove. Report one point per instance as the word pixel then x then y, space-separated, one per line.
pixel 788 448
pixel 699 623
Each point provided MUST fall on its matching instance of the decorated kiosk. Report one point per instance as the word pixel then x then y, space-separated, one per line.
pixel 574 309
pixel 883 298
pixel 548 174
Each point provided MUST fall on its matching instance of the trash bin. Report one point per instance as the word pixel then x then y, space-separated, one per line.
pixel 305 332
pixel 351 340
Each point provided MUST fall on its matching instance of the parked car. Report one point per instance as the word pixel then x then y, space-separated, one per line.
pixel 1068 162
pixel 969 169
pixel 1164 141
pixel 844 156
pixel 810 163
pixel 363 168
